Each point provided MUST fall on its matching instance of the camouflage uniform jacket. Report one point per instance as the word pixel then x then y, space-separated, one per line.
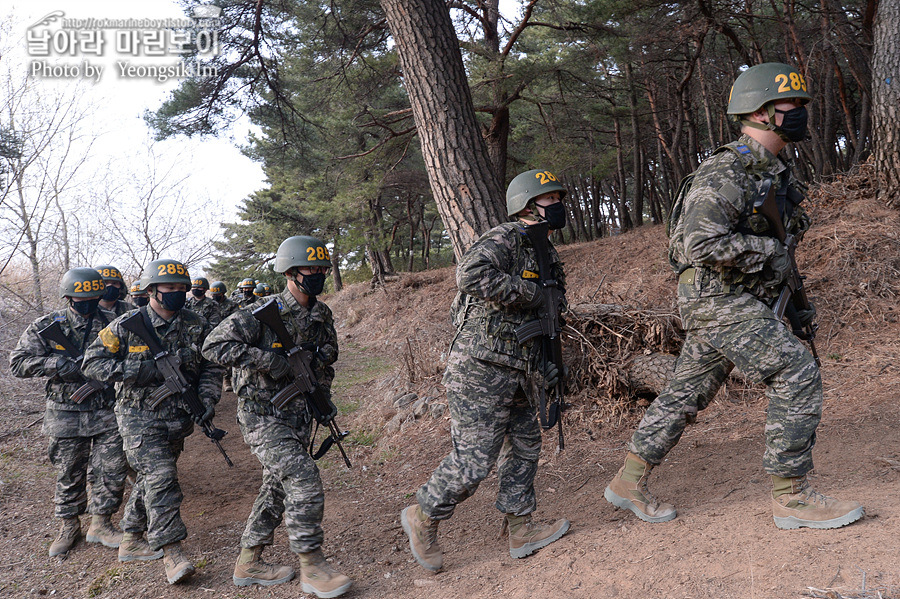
pixel 116 355
pixel 226 307
pixel 206 308
pixel 122 307
pixel 495 279
pixel 726 243
pixel 34 356
pixel 241 342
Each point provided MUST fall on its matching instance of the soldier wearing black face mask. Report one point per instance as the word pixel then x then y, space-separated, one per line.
pixel 153 435
pixel 139 297
pixel 80 433
pixel 291 490
pixel 205 306
pixel 115 292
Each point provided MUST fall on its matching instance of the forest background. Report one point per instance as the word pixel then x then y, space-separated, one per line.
pixel 396 149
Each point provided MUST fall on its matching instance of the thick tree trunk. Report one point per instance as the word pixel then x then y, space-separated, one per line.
pixel 886 101
pixel 466 189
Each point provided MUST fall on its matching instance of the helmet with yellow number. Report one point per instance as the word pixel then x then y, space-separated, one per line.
pixel 165 270
pixel 81 282
pixel 765 83
pixel 301 250
pixel 529 185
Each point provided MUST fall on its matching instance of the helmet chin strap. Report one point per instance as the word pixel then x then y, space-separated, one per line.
pixel 770 126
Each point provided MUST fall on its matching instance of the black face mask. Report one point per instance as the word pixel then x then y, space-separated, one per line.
pixel 140 301
pixel 172 300
pixel 111 294
pixel 198 292
pixel 218 298
pixel 555 215
pixel 312 284
pixel 793 124
pixel 87 307
pixel 248 293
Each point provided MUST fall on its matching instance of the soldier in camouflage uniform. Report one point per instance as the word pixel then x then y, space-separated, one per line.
pixel 154 438
pixel 243 295
pixel 113 299
pixel 217 294
pixel 80 433
pixel 139 297
pixel 202 305
pixel 490 377
pixel 731 272
pixel 279 437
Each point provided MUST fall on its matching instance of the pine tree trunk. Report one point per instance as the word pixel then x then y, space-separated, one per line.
pixel 466 189
pixel 886 101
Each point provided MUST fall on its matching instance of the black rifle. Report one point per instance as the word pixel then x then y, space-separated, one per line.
pixel 304 383
pixel 793 296
pixel 174 383
pixel 548 326
pixel 54 334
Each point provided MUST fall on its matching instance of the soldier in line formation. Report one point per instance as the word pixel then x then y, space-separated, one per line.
pixel 731 269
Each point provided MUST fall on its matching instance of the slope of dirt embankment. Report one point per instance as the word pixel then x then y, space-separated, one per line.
pixel 394 341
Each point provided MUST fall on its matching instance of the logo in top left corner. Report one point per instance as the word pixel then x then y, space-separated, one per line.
pixel 49 18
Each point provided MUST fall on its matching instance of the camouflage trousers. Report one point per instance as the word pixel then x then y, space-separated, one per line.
pixel 765 351
pixel 98 462
pixel 492 422
pixel 153 446
pixel 291 488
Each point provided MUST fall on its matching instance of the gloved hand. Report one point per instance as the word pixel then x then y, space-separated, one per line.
pixel 279 367
pixel 317 352
pixel 806 317
pixel 68 369
pixel 205 417
pixel 551 375
pixel 776 269
pixel 537 302
pixel 147 374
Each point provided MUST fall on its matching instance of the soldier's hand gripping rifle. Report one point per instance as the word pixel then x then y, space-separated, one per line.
pixel 303 383
pixel 793 296
pixel 548 326
pixel 54 334
pixel 174 383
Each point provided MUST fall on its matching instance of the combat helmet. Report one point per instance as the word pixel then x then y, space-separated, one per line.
pixel 529 185
pixel 765 83
pixel 113 274
pixel 165 270
pixel 247 283
pixel 262 290
pixel 81 282
pixel 301 250
pixel 200 283
pixel 218 288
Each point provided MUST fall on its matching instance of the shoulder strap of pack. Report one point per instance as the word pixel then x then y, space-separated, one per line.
pixel 740 150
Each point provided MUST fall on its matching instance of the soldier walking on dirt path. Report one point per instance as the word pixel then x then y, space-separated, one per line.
pixel 85 447
pixel 153 436
pixel 732 270
pixel 490 377
pixel 279 436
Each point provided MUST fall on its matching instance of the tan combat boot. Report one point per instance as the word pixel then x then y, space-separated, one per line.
pixel 134 547
pixel 178 567
pixel 104 532
pixel 250 569
pixel 628 490
pixel 319 578
pixel 69 532
pixel 422 533
pixel 527 536
pixel 795 504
